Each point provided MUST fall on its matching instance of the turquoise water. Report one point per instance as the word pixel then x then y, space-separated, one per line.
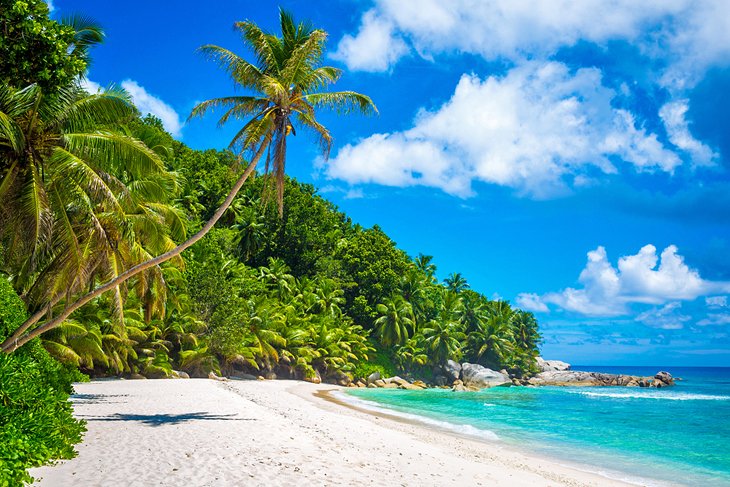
pixel 655 436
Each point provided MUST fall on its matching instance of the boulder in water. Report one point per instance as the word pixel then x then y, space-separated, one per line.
pixel 665 377
pixel 551 365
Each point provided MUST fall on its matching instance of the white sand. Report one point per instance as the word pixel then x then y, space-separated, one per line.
pixel 201 432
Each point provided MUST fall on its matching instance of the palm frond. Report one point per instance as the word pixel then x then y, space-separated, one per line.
pixel 343 102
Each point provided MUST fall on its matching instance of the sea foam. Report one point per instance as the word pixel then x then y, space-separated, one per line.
pixel 666 396
pixel 462 429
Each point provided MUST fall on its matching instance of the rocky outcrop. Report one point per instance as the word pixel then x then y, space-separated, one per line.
pixel 314 379
pixel 373 377
pixel 579 378
pixel 452 370
pixel 551 365
pixel 665 378
pixel 342 378
pixel 479 377
pixel 395 382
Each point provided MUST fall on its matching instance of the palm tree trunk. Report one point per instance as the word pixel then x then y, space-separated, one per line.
pixel 18 338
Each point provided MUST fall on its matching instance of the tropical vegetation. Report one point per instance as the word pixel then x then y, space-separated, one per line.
pixel 98 203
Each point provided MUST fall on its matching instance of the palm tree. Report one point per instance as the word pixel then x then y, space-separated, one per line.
pixel 424 264
pixel 329 298
pixel 492 338
pixel 250 236
pixel 412 288
pixel 277 278
pixel 456 282
pixel 284 82
pixel 394 321
pixel 60 162
pixel 79 199
pixel 444 340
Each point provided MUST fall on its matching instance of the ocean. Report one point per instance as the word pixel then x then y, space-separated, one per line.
pixel 677 435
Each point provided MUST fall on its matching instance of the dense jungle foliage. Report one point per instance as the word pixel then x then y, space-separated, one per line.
pixel 285 285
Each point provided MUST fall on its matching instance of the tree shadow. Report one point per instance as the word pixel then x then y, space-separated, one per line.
pixel 162 419
pixel 95 398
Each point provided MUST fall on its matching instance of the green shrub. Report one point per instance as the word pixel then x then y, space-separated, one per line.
pixel 380 361
pixel 36 421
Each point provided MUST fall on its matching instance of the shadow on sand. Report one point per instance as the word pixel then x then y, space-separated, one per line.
pixel 96 398
pixel 162 419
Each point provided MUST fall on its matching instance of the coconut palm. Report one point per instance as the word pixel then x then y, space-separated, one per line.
pixel 79 198
pixel 60 162
pixel 413 289
pixel 443 339
pixel 277 278
pixel 456 282
pixel 329 298
pixel 492 338
pixel 285 86
pixel 424 264
pixel 250 236
pixel 394 324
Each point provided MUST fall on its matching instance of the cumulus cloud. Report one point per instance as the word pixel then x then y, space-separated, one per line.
pixel 689 35
pixel 148 103
pixel 539 129
pixel 145 103
pixel 375 48
pixel 51 7
pixel 531 302
pixel 641 278
pixel 673 116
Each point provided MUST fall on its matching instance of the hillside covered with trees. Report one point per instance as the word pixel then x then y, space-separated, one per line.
pixel 285 285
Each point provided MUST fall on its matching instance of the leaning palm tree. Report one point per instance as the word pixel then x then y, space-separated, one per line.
pixel 285 88
pixel 285 84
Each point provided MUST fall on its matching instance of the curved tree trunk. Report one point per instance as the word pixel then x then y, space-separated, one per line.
pixel 20 337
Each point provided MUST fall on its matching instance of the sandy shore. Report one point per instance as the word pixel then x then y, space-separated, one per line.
pixel 201 432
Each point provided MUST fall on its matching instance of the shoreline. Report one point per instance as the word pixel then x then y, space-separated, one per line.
pixel 202 432
pixel 482 437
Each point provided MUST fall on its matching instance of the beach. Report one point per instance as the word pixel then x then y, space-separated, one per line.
pixel 201 432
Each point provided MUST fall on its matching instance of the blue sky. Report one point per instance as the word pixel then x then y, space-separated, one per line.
pixel 576 167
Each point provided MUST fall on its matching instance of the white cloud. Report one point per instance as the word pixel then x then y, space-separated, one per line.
pixel 641 278
pixel 531 302
pixel 354 193
pixel 147 103
pixel 375 48
pixel 667 317
pixel 537 129
pixel 690 35
pixel 715 319
pixel 51 7
pixel 716 301
pixel 673 116
pixel 91 87
pixel 642 281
